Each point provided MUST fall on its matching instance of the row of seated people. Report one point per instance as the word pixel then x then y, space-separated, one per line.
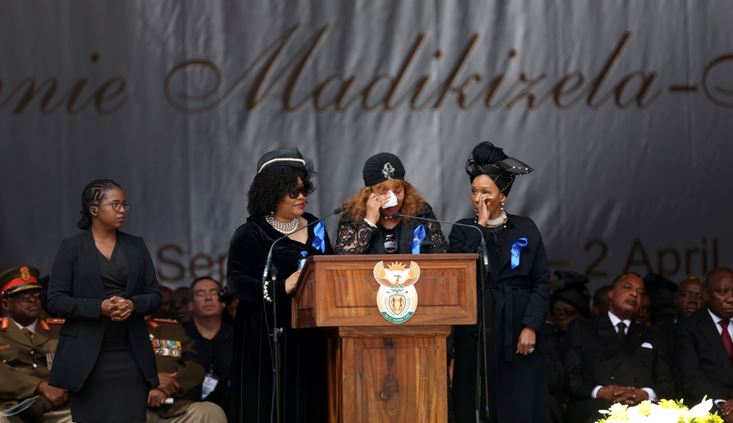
pixel 642 338
pixel 193 360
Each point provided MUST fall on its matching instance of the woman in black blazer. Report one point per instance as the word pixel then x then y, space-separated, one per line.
pixel 516 288
pixel 103 282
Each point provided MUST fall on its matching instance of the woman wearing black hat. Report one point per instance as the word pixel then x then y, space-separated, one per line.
pixel 369 225
pixel 277 199
pixel 570 300
pixel 103 282
pixel 514 305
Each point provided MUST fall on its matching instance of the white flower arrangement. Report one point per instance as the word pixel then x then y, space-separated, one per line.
pixel 665 411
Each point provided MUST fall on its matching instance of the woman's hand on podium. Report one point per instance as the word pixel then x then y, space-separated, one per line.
pixel 291 282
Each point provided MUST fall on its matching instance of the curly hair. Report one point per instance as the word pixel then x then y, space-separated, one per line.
pixel 354 208
pixel 271 185
pixel 93 194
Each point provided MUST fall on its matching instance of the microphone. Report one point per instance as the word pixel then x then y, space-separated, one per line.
pixel 481 348
pixel 484 254
pixel 268 262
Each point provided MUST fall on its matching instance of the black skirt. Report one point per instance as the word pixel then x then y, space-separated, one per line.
pixel 115 391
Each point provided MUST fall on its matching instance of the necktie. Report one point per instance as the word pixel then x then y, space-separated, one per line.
pixel 622 331
pixel 725 336
pixel 28 334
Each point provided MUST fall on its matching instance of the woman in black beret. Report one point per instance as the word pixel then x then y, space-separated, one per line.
pixel 277 200
pixel 511 382
pixel 368 224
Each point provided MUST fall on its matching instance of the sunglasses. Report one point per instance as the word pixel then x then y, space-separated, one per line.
pixel 297 191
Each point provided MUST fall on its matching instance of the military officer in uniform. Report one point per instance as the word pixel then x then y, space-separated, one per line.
pixel 27 346
pixel 180 374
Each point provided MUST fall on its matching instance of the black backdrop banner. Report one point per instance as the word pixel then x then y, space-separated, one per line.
pixel 623 108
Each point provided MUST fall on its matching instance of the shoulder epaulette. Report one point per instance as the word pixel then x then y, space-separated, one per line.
pixel 166 321
pixel 155 322
pixel 45 324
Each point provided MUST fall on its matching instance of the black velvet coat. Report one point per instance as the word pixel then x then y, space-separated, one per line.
pixel 515 298
pixel 302 352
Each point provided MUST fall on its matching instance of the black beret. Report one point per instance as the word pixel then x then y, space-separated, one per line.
pixel 382 167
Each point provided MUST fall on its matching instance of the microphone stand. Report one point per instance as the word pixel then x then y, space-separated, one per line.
pixel 271 270
pixel 481 347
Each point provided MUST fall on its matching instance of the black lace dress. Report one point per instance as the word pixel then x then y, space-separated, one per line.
pixel 363 238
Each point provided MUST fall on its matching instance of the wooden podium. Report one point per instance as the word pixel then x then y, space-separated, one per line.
pixel 380 371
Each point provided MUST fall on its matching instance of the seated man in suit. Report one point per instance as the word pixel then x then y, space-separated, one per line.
pixel 689 298
pixel 611 359
pixel 704 346
pixel 175 400
pixel 600 301
pixel 27 345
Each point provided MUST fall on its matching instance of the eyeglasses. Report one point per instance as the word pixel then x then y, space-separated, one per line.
pixel 117 205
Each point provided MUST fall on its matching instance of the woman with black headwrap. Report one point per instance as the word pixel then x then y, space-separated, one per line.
pixel 512 385
pixel 277 200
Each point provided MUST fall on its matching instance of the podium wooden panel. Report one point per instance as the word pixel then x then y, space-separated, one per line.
pixel 379 371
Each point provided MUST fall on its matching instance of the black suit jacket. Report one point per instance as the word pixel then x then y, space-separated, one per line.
pixel 702 362
pixel 594 356
pixel 76 293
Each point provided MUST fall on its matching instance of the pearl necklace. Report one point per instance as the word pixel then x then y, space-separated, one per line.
pixel 283 228
pixel 499 220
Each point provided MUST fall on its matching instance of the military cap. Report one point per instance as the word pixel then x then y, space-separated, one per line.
pixel 18 279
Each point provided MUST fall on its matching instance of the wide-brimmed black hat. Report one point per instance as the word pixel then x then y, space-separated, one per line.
pixel 572 289
pixel 382 167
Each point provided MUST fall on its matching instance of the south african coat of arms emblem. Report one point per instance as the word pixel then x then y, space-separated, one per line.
pixel 397 297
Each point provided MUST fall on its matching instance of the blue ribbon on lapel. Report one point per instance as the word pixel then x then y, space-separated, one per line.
pixel 320 232
pixel 516 248
pixel 418 235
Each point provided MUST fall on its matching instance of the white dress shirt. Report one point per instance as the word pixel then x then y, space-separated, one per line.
pixel 717 320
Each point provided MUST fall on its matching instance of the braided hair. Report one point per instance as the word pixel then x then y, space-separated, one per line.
pixel 92 195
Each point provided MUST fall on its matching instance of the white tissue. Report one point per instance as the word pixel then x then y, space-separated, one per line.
pixel 391 202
